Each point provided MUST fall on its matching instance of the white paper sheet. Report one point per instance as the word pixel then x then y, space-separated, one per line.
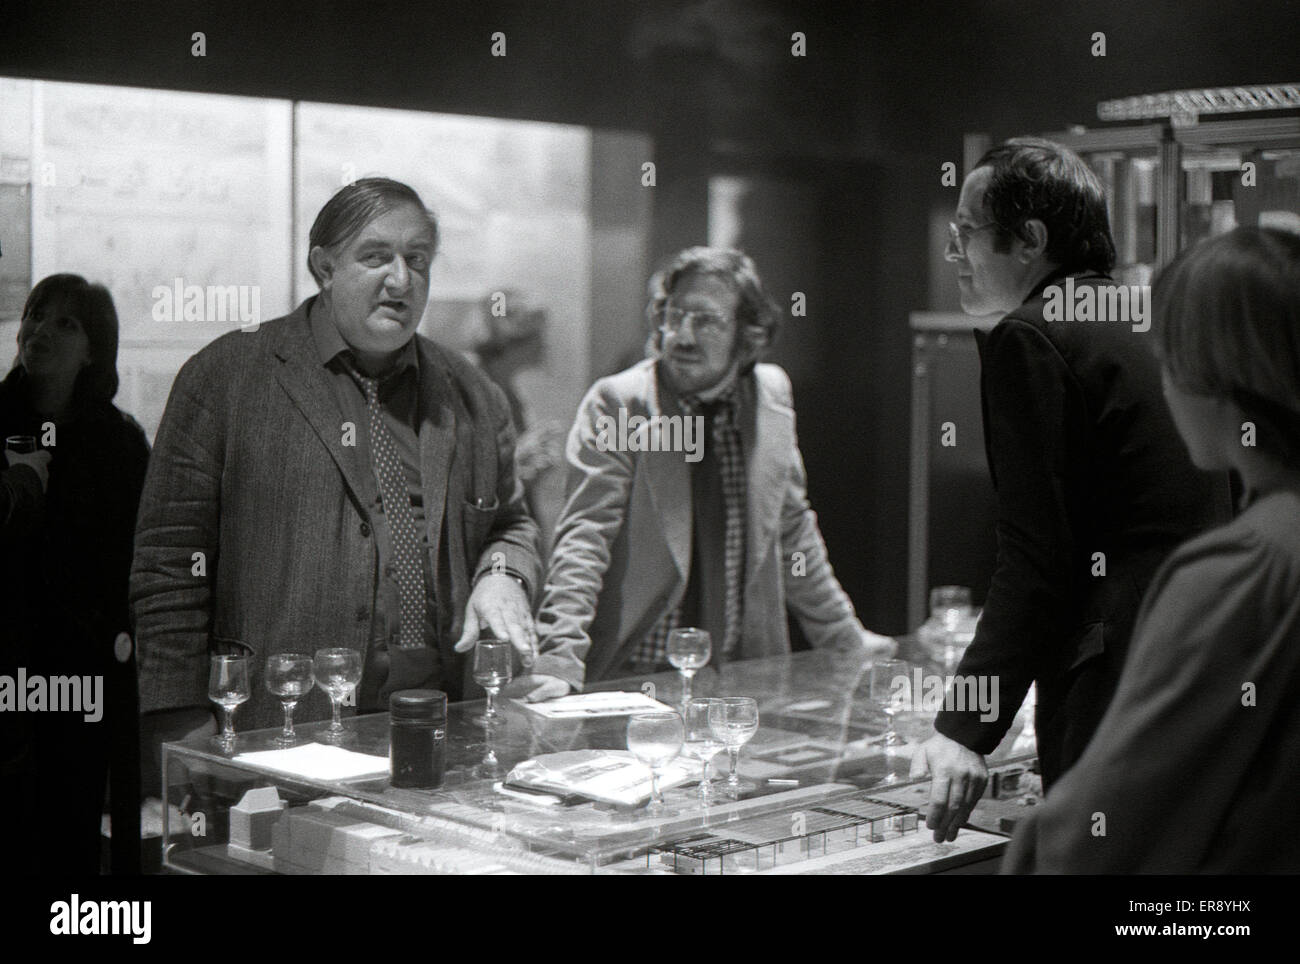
pixel 583 705
pixel 316 761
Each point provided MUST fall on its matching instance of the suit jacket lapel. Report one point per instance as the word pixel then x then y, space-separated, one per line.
pixel 437 438
pixel 668 477
pixel 768 438
pixel 305 381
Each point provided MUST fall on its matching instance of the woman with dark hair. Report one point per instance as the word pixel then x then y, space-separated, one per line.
pixel 1196 766
pixel 64 566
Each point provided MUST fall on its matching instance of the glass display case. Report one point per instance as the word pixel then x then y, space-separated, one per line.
pixel 1227 173
pixel 827 794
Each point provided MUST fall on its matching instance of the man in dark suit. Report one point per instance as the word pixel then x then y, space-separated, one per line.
pixel 1094 486
pixel 332 479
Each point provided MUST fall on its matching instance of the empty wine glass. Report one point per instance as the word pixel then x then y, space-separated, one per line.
pixel 891 693
pixel 655 739
pixel 689 650
pixel 337 672
pixel 492 670
pixel 228 687
pixel 700 742
pixel 288 676
pixel 734 721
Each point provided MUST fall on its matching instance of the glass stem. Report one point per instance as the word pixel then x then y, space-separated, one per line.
pixel 733 778
pixel 228 726
pixel 491 703
pixel 337 723
pixel 655 796
pixel 288 718
pixel 686 686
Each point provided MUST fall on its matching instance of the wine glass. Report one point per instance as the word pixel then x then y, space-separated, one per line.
pixel 228 687
pixel 734 721
pixel 950 616
pixel 950 605
pixel 492 670
pixel 891 693
pixel 700 742
pixel 655 739
pixel 337 672
pixel 288 676
pixel 689 650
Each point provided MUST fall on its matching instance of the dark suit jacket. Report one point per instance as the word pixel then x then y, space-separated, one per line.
pixel 249 469
pixel 1085 459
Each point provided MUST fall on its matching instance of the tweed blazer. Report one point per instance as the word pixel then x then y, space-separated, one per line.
pixel 623 541
pixel 255 533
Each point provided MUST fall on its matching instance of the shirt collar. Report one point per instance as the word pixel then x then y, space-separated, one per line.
pixel 330 344
pixel 725 403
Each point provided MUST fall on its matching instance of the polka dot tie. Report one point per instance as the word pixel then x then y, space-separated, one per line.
pixel 401 521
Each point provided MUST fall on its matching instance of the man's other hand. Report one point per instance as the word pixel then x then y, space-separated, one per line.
pixel 499 602
pixel 877 646
pixel 535 689
pixel 957 780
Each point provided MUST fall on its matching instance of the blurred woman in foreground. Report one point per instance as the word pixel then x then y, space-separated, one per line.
pixel 1196 766
pixel 64 564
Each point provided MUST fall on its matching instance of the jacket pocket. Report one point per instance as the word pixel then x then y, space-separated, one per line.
pixel 1090 644
pixel 478 522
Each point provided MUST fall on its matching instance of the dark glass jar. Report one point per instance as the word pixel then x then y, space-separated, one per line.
pixel 417 738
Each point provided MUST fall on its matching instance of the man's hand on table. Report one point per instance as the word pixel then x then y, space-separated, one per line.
pixel 957 780
pixel 877 646
pixel 499 602
pixel 535 689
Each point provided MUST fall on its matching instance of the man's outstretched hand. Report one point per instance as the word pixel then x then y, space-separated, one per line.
pixel 500 603
pixel 957 780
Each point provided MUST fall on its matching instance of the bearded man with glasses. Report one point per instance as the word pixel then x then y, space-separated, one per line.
pixel 653 537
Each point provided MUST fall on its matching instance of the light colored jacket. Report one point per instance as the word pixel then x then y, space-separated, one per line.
pixel 623 542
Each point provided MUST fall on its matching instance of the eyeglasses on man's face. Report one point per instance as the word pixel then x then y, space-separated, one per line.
pixel 959 237
pixel 705 323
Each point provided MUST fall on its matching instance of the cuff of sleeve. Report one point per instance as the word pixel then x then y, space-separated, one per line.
pixel 967 729
pixel 518 577
pixel 551 665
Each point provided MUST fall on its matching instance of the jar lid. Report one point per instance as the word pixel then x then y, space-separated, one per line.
pixel 418 705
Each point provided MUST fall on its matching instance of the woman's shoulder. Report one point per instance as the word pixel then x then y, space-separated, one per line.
pixel 1268 527
pixel 1244 563
pixel 119 429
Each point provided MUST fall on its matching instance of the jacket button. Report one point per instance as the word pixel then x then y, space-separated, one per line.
pixel 363 614
pixel 365 529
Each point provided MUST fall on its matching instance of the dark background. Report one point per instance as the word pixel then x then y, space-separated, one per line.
pixel 847 142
